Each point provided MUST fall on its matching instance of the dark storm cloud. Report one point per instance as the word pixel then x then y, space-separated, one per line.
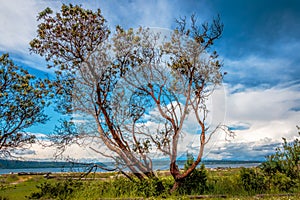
pixel 245 151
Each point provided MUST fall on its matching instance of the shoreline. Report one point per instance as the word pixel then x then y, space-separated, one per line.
pixel 45 171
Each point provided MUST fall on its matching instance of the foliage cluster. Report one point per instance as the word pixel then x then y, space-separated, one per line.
pixel 58 190
pixel 196 182
pixel 117 188
pixel 280 172
pixel 22 99
pixel 253 180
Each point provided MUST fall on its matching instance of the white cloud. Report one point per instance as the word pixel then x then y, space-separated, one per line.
pixel 18 22
pixel 44 150
pixel 261 117
pixel 264 115
pixel 256 69
pixel 136 13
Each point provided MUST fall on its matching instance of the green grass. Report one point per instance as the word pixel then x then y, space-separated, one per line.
pixel 18 187
pixel 223 182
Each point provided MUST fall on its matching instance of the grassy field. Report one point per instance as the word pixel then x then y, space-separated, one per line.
pixel 221 183
pixel 18 187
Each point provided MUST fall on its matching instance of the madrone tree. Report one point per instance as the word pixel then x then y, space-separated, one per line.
pixel 22 99
pixel 169 80
pixel 133 91
pixel 75 42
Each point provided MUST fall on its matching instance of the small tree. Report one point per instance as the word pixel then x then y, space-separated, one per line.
pixel 284 165
pixel 22 99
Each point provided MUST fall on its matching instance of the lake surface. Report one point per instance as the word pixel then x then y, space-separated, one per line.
pixel 157 166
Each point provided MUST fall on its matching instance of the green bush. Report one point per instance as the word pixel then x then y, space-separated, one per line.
pixel 253 181
pixel 12 178
pixel 124 188
pixel 281 182
pixel 59 190
pixel 196 182
pixel 282 169
pixel 224 184
pixel 151 187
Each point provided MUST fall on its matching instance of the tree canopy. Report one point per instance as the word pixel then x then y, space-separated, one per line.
pixel 22 99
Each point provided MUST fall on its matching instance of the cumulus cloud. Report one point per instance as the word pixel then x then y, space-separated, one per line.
pixel 243 150
pixel 18 22
pixel 260 118
pixel 43 150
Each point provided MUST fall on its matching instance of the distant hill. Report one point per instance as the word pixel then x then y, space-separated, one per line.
pixel 17 164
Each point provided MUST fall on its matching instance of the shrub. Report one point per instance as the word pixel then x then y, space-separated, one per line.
pixel 196 182
pixel 282 169
pixel 124 188
pixel 59 190
pixel 224 183
pixel 253 181
pixel 281 182
pixel 151 187
pixel 12 178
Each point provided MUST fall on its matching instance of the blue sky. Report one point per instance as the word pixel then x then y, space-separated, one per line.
pixel 260 47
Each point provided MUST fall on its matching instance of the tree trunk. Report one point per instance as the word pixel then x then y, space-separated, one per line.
pixel 175 186
pixel 174 170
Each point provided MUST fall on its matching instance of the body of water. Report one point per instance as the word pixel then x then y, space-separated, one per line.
pixel 157 166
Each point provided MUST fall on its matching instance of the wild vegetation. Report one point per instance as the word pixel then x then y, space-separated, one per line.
pixel 273 177
pixel 230 183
